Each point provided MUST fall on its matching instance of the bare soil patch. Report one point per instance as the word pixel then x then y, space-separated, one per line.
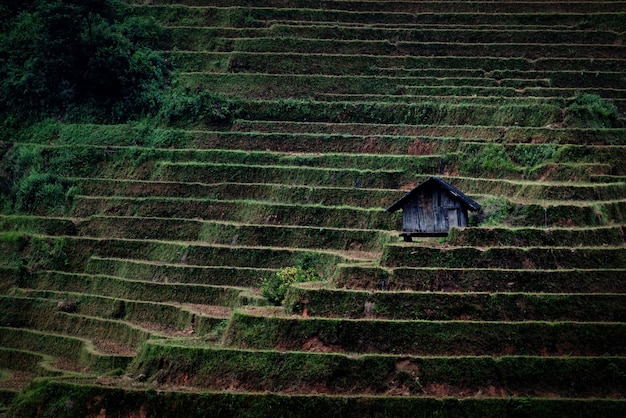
pixel 169 330
pixel 114 347
pixel 17 380
pixel 212 310
pixel 316 345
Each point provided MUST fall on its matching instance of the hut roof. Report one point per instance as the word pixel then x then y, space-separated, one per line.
pixel 471 204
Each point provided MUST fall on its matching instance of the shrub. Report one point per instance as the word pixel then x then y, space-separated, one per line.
pixel 274 287
pixel 182 108
pixel 488 160
pixel 494 211
pixel 591 111
pixel 43 193
pixel 78 60
pixel 530 156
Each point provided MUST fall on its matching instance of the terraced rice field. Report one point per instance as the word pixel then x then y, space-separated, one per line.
pixel 141 296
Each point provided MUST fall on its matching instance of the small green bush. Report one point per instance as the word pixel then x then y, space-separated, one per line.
pixel 591 111
pixel 488 160
pixel 78 60
pixel 494 211
pixel 535 154
pixel 274 287
pixel 181 108
pixel 43 193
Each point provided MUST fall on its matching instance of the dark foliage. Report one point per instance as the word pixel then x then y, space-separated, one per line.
pixel 77 60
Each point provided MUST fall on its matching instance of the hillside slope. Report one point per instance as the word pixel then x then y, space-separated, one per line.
pixel 137 292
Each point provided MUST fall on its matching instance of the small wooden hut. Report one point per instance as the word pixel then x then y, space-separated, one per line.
pixel 432 208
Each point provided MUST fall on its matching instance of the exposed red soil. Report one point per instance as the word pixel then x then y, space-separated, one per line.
pixel 114 347
pixel 212 310
pixel 162 329
pixel 316 345
pixel 421 147
pixel 67 365
pixel 184 382
pixel 17 380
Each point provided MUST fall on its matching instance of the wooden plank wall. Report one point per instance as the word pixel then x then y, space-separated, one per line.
pixel 428 211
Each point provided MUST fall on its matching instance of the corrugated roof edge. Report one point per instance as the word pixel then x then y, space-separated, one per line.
pixel 470 203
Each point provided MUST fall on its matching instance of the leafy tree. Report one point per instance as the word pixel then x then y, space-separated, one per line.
pixel 274 287
pixel 77 60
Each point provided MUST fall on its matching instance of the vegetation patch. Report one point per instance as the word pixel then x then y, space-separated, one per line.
pixel 275 286
pixel 192 218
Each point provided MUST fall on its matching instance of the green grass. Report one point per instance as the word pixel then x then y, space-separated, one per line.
pixel 274 193
pixel 588 15
pixel 342 64
pixel 254 330
pixel 42 315
pixel 233 234
pixel 244 211
pixel 36 225
pixel 530 237
pixel 340 374
pixel 51 397
pixel 481 279
pixel 113 308
pixel 562 257
pixel 121 288
pixel 295 175
pixel 27 361
pixel 349 47
pixel 168 273
pixel 471 306
pixel 74 349
pixel 330 113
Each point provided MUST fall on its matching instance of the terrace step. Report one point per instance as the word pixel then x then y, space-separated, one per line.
pixel 170 273
pixel 564 191
pixel 405 255
pixel 443 279
pixel 276 138
pixel 44 225
pixel 165 319
pixel 402 48
pixel 184 34
pixel 358 64
pixel 294 175
pixel 22 366
pixel 537 237
pixel 263 85
pixel 561 70
pixel 252 329
pixel 249 212
pixel 322 301
pixel 502 97
pixel 258 86
pixel 42 315
pixel 258 371
pixel 513 134
pixel 426 155
pixel 73 350
pixel 449 99
pixel 107 159
pixel 262 192
pixel 222 233
pixel 539 213
pixel 119 402
pixel 588 15
pixel 174 319
pixel 141 290
pixel 75 253
pixel 412 7
pixel 422 113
